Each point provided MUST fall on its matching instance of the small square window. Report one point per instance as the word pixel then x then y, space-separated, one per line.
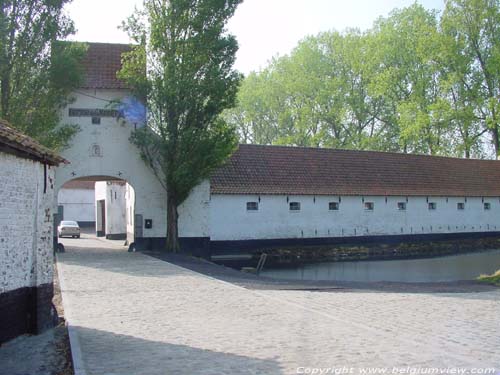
pixel 252 206
pixel 487 206
pixel 294 206
pixel 402 206
pixel 369 206
pixel 333 206
pixel 432 205
pixel 460 206
pixel 96 120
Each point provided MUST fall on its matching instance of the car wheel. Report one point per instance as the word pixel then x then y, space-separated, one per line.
pixel 60 235
pixel 78 236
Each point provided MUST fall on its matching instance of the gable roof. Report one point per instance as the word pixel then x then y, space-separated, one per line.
pixel 14 142
pixel 255 169
pixel 100 65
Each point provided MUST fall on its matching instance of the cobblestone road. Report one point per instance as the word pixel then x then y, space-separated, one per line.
pixel 133 314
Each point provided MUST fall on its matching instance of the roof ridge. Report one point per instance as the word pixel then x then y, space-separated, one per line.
pixel 327 149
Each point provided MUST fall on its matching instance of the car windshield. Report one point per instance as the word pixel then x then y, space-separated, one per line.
pixel 69 223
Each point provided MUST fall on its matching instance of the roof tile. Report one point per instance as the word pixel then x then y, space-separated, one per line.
pixel 101 63
pixel 15 140
pixel 256 169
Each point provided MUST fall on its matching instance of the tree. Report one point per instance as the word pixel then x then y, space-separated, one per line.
pixel 473 29
pixel 189 81
pixel 37 73
pixel 408 77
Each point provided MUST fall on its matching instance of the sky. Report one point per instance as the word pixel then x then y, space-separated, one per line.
pixel 263 28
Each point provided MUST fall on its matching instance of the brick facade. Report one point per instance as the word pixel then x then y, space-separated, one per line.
pixel 26 253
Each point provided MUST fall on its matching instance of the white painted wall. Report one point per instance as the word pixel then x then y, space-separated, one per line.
pixel 229 219
pixel 194 212
pixel 26 228
pixel 122 160
pixel 114 194
pixel 115 209
pixel 79 204
pixel 129 211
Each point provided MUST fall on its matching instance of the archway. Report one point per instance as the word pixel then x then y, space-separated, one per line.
pixel 103 206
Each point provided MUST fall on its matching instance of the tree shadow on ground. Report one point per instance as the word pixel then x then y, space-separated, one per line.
pixel 111 353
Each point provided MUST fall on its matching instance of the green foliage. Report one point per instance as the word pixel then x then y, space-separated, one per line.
pixel 189 81
pixel 472 28
pixel 491 279
pixel 37 73
pixel 414 82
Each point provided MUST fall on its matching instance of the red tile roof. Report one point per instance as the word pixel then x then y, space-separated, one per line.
pixel 79 184
pixel 102 62
pixel 255 169
pixel 13 141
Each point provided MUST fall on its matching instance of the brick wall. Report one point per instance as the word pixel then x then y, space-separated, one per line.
pixel 26 254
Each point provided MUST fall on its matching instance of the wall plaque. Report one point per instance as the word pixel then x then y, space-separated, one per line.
pixel 89 112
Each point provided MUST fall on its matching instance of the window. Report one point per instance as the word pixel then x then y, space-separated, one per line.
pixel 294 206
pixel 252 206
pixel 460 206
pixel 96 120
pixel 369 206
pixel 333 206
pixel 487 206
pixel 432 205
pixel 402 206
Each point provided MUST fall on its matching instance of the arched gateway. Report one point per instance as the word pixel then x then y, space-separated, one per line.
pixel 101 151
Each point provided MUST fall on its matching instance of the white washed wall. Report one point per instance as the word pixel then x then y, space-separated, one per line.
pixel 194 212
pixel 229 219
pixel 25 223
pixel 115 209
pixel 78 204
pixel 129 210
pixel 122 160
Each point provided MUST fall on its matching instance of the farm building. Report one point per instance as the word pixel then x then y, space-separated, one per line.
pixel 26 230
pixel 271 195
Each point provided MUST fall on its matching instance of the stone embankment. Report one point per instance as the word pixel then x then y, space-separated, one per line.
pixel 291 256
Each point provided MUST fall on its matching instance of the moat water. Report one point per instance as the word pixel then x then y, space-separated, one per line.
pixel 446 268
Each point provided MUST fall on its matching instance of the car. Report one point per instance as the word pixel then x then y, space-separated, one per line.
pixel 69 229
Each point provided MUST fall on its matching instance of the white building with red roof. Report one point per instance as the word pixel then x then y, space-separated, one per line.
pixel 269 195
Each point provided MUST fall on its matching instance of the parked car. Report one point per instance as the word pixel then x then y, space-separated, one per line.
pixel 69 229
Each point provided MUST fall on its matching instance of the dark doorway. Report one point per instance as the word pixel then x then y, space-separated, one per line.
pixel 101 218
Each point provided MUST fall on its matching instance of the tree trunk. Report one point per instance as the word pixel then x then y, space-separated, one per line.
pixel 4 98
pixel 496 141
pixel 172 224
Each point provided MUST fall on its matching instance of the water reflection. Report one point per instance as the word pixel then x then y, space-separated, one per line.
pixel 448 268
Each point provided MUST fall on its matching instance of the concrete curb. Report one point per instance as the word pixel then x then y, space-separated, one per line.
pixel 76 352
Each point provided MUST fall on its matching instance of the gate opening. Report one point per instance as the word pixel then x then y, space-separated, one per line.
pixel 103 206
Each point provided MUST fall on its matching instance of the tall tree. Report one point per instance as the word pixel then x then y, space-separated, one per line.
pixel 408 77
pixel 474 27
pixel 37 73
pixel 189 81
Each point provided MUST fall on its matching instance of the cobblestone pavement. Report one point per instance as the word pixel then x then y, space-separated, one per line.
pixel 133 314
